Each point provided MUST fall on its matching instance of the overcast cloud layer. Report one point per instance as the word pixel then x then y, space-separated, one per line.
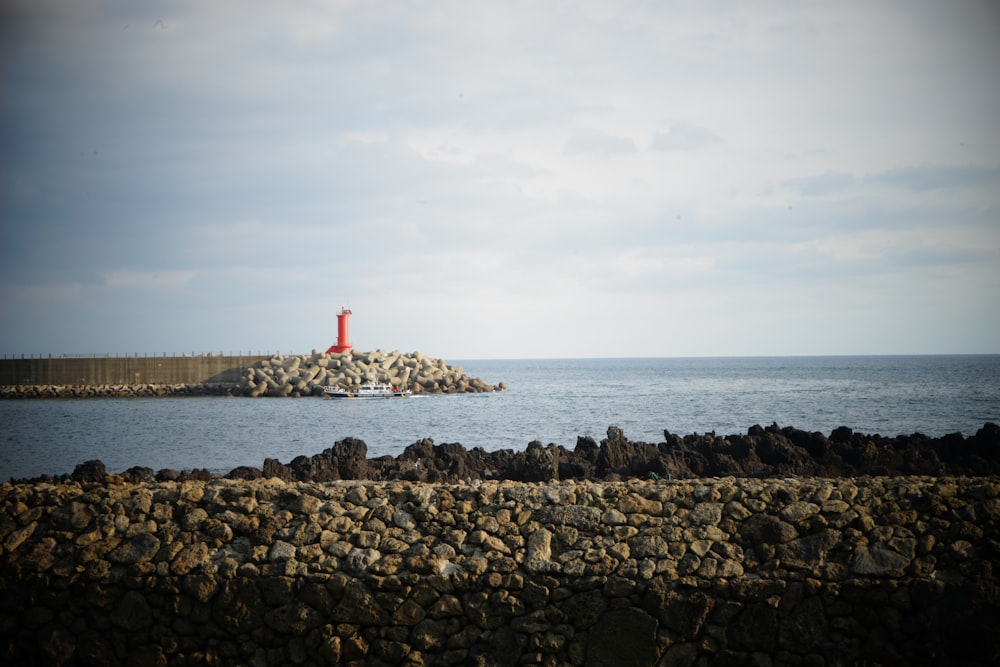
pixel 500 179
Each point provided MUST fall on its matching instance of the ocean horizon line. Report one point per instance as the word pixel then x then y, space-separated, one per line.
pixel 921 355
pixel 8 356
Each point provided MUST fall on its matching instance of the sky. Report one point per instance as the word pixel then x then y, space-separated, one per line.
pixel 490 180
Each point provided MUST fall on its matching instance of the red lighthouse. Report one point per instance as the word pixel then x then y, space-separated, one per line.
pixel 343 337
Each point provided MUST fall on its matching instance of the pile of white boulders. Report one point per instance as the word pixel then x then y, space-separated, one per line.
pixel 306 375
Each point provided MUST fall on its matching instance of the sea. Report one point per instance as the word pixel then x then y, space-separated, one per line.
pixel 549 400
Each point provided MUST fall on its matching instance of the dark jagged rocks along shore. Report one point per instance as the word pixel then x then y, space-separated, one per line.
pixel 770 451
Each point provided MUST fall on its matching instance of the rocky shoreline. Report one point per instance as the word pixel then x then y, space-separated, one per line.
pixel 845 549
pixel 291 376
pixel 763 452
pixel 731 571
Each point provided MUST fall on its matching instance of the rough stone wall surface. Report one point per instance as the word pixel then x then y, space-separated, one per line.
pixel 866 571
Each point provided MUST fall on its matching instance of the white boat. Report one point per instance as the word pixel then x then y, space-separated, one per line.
pixel 368 390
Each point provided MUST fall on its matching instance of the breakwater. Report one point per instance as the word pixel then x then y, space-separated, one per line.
pixel 125 371
pixel 275 376
pixel 95 570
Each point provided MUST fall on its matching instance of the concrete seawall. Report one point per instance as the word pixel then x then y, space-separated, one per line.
pixel 874 571
pixel 94 371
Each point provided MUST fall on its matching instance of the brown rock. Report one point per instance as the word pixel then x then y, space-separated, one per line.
pixel 238 607
pixel 138 549
pixel 354 647
pixel 17 537
pixel 408 613
pixel 623 637
pixel 358 605
pixel 190 557
pixel 878 561
pixel 132 612
pixel 293 619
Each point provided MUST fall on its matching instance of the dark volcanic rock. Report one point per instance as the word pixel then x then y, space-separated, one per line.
pixel 761 452
pixel 345 460
pixel 138 475
pixel 244 472
pixel 449 462
pixel 274 468
pixel 454 462
pixel 619 456
pixel 535 464
pixel 784 456
pixel 90 471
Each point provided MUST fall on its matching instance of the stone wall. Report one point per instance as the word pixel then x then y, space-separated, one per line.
pixel 866 571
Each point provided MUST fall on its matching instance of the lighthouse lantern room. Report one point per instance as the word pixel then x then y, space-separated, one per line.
pixel 343 335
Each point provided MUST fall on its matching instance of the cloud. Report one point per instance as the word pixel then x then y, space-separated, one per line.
pixel 933 177
pixel 822 184
pixel 685 137
pixel 599 144
pixel 250 167
pixel 919 178
pixel 148 279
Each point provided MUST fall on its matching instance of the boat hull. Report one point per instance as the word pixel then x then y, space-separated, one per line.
pixel 358 395
pixel 366 391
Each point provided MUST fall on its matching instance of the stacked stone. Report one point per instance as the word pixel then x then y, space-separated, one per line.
pixel 721 571
pixel 306 375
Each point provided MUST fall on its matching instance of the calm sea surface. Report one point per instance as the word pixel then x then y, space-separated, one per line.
pixel 547 400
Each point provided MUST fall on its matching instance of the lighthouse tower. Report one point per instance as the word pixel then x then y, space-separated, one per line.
pixel 343 337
